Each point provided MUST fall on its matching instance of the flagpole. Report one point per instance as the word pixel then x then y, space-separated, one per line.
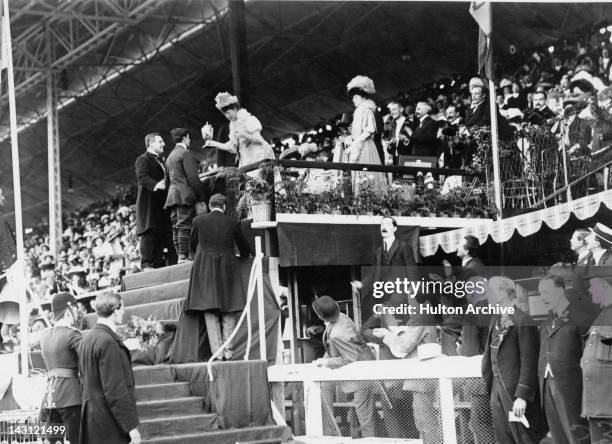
pixel 24 321
pixel 495 145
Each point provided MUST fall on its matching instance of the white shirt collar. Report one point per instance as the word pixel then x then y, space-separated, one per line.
pixel 598 254
pixel 388 242
pixel 181 144
pixel 465 260
pixel 423 118
pixel 217 210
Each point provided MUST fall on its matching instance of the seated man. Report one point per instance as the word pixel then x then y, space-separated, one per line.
pixel 343 345
pixel 397 413
pixel 403 343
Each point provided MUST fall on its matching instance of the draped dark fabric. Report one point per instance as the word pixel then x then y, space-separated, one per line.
pixel 191 347
pixel 335 244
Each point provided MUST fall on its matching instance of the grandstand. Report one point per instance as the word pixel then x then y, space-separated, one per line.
pixel 93 77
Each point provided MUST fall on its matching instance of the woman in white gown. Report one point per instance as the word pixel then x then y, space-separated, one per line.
pixel 245 139
pixel 362 148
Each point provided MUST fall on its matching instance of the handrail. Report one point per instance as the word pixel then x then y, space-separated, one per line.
pixel 349 167
pixel 569 185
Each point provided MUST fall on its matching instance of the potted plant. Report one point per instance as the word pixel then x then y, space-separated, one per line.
pixel 258 198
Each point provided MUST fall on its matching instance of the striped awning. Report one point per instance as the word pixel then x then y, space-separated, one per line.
pixel 526 224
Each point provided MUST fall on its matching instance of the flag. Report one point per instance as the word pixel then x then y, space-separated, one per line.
pixel 481 12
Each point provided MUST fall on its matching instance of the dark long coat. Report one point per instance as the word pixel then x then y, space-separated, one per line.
pixel 561 347
pixel 596 366
pixel 109 395
pixel 216 282
pixel 150 213
pixel 518 367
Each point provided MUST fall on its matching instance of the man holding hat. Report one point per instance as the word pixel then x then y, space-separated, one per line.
pixel 596 360
pixel 599 243
pixel 343 345
pixel 59 345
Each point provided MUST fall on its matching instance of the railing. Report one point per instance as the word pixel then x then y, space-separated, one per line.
pixel 311 187
pixel 438 400
pixel 537 166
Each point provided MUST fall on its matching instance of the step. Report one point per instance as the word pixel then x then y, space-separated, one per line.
pixel 271 434
pixel 168 407
pixel 156 277
pixel 176 425
pixel 153 374
pixel 157 392
pixel 162 311
pixel 157 293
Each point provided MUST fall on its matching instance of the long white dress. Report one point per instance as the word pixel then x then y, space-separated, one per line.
pixel 365 151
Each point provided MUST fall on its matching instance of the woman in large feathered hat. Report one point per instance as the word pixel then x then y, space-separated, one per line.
pixel 363 130
pixel 245 132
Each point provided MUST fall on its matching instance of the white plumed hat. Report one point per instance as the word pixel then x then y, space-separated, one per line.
pixel 224 99
pixel 362 83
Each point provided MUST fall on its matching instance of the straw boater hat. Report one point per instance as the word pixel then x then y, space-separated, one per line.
pixel 225 99
pixel 361 85
pixel 602 232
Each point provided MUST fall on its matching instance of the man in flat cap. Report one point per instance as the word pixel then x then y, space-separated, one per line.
pixel 58 346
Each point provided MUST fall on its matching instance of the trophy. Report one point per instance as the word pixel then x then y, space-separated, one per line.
pixel 207 132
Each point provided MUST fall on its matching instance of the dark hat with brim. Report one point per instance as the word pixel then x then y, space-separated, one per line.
pixel 60 303
pixel 47 267
pixel 326 308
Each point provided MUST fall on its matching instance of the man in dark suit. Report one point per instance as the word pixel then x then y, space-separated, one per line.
pixel 424 141
pixel 152 220
pixel 510 368
pixel 393 259
pixel 540 113
pixel 109 396
pixel 181 197
pixel 58 346
pixel 471 266
pixel 479 112
pixel 561 345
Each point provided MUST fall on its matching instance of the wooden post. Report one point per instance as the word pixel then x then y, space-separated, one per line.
pixel 313 408
pixel 447 411
pixel 263 355
pixel 238 51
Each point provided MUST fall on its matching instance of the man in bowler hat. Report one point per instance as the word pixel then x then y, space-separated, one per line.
pixel 58 346
pixel 109 396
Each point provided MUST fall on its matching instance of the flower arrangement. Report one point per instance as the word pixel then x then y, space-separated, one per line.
pixel 145 331
pixel 423 199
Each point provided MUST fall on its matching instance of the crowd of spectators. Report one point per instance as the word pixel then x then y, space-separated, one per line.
pixel 560 90
pixel 99 245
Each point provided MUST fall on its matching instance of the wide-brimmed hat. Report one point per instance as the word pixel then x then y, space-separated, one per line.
pixel 360 85
pixel 602 232
pixel 225 99
pixel 429 351
pixel 476 82
pixel 60 303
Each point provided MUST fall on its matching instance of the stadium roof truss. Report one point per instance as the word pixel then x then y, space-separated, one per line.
pixel 122 68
